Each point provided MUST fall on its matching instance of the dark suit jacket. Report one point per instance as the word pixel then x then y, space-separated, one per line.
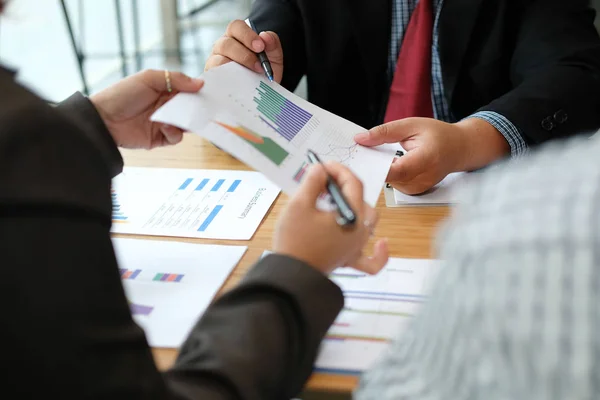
pixel 66 329
pixel 537 62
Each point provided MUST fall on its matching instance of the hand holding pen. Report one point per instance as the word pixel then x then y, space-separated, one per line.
pixel 262 56
pixel 241 44
pixel 347 216
pixel 314 236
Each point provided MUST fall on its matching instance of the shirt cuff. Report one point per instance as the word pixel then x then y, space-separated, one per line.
pixel 510 132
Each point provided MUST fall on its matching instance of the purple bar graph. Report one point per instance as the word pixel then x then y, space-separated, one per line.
pixel 138 309
pixel 283 116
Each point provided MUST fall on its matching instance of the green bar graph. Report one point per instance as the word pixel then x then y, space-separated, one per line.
pixel 282 115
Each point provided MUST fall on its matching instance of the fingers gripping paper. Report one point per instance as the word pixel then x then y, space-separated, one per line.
pixel 270 129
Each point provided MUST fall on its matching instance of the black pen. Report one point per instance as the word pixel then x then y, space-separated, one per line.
pixel 262 56
pixel 347 216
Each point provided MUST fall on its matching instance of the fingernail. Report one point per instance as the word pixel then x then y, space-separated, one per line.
pixel 258 45
pixel 361 136
pixel 257 67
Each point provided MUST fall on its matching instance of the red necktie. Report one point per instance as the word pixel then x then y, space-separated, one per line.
pixel 410 93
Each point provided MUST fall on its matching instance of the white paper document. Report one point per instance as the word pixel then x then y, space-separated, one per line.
pixel 170 284
pixel 441 194
pixel 270 129
pixel 190 202
pixel 377 308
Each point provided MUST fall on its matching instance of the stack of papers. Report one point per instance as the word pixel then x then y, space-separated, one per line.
pixel 170 284
pixel 271 129
pixel 190 202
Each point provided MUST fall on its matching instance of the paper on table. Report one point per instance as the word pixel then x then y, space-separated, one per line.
pixel 442 193
pixel 170 284
pixel 270 129
pixel 376 309
pixel 190 202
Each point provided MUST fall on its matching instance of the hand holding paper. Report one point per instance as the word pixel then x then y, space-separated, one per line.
pixel 271 129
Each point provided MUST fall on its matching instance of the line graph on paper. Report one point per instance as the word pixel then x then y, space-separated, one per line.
pixel 342 154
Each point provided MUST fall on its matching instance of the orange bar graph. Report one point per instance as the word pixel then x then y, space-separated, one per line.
pixel 243 133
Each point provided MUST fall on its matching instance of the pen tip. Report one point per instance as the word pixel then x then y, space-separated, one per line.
pixel 271 78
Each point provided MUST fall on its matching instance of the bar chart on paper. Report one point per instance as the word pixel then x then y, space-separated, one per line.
pixel 118 216
pixel 282 115
pixel 139 309
pixel 190 203
pixel 270 129
pixel 267 146
pixel 300 172
pixel 129 274
pixel 144 275
pixel 168 304
pixel 163 277
pixel 377 309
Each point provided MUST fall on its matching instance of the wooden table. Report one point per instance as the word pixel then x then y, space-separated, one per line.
pixel 410 230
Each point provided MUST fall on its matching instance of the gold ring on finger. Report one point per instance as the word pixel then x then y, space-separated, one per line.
pixel 168 80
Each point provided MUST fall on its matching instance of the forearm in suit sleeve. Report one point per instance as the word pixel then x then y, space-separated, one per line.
pixel 555 69
pixel 69 327
pixel 261 339
pixel 81 110
pixel 283 17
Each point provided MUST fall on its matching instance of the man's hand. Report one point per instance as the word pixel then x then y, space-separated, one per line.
pixel 241 44
pixel 436 149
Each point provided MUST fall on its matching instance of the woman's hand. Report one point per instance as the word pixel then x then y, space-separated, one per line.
pixel 127 105
pixel 313 236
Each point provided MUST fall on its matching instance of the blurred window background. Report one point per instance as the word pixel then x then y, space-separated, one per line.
pixel 114 37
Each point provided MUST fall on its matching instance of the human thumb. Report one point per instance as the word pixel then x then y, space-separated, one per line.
pixel 392 132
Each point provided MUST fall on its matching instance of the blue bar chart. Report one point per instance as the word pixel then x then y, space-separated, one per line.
pixel 210 218
pixel 234 186
pixel 216 204
pixel 217 185
pixel 202 184
pixel 186 183
pixel 118 215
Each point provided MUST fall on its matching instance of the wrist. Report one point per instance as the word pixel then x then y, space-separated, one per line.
pixel 306 258
pixel 481 143
pixel 96 101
